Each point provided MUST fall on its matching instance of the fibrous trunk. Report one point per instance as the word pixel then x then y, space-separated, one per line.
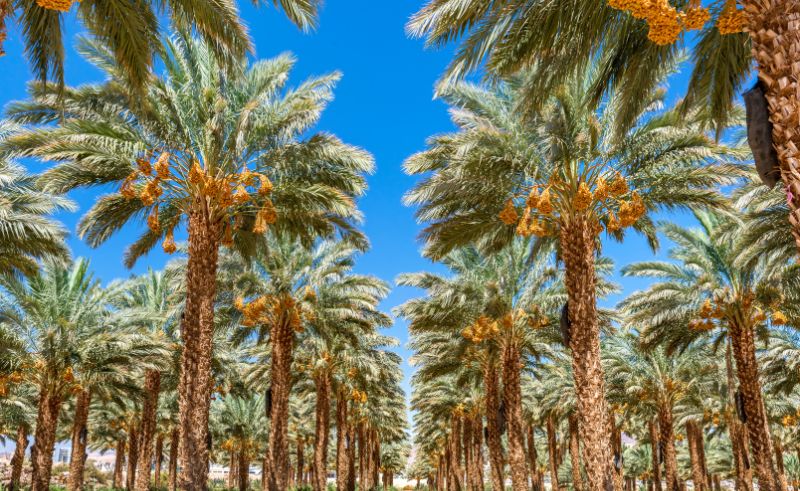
pixel 656 454
pixel 282 339
pixel 301 461
pixel 537 476
pixel 44 440
pixel 577 248
pixel 119 463
pixel 665 424
pixel 456 471
pixel 744 352
pixel 342 442
pixel 133 454
pixel 243 466
pixel 80 431
pixel 736 430
pixel 152 386
pixel 197 332
pixel 512 395
pixel 574 453
pixel 174 444
pixel 694 440
pixel 552 450
pixel 477 451
pixel 18 459
pixel 322 427
pixel 780 464
pixel 496 461
pixel 157 459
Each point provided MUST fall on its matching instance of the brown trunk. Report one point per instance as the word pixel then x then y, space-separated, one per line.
pixel 694 440
pixel 512 395
pixel 351 458
pixel 456 471
pixel 577 249
pixel 618 468
pixel 656 467
pixel 494 443
pixel 282 339
pixel 574 453
pixel 152 387
pixel 780 464
pixel 668 445
pixel 744 351
pixel 174 443
pixel 537 477
pixel 552 450
pixel 717 482
pixel 119 463
pixel 197 332
pixel 737 434
pixel 301 461
pixel 376 458
pixel 133 455
pixel 341 440
pixel 44 441
pixel 466 445
pixel 477 450
pixel 232 473
pixel 80 431
pixel 243 466
pixel 322 428
pixel 361 453
pixel 157 459
pixel 18 459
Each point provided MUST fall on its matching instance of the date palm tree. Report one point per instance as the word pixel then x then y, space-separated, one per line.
pixel 132 30
pixel 562 178
pixel 560 35
pixel 228 150
pixel 241 424
pixel 709 292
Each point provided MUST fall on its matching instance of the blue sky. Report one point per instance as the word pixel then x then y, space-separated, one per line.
pixel 384 103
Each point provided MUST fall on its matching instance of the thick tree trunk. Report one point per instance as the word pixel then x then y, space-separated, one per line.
pixel 152 387
pixel 243 466
pixel 537 477
pixel 466 445
pixel 351 457
pixel 18 460
pixel 44 441
pixel 477 451
pixel 552 450
pixel 322 429
pixel 341 440
pixel 744 351
pixel 80 435
pixel 618 467
pixel 282 339
pixel 512 395
pixel 780 464
pixel 157 459
pixel 174 444
pixel 577 249
pixel 197 333
pixel 233 474
pixel 456 471
pixel 376 458
pixel 694 441
pixel 119 463
pixel 300 457
pixel 656 452
pixel 665 424
pixel 496 460
pixel 133 455
pixel 736 430
pixel 574 453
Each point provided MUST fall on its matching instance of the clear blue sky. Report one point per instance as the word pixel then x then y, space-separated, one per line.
pixel 383 103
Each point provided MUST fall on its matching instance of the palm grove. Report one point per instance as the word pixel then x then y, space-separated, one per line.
pixel 259 345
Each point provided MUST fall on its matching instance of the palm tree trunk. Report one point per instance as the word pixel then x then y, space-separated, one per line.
pixel 322 429
pixel 158 458
pixel 577 248
pixel 780 464
pixel 152 386
pixel 133 454
pixel 537 478
pixel 282 339
pixel 493 439
pixel 774 27
pixel 693 440
pixel 456 471
pixel 466 445
pixel 44 440
pixel 376 458
pixel 18 459
pixel 477 451
pixel 512 395
pixel 618 467
pixel 301 461
pixel 233 475
pixel 668 443
pixel 341 440
pixel 744 351
pixel 174 444
pixel 574 453
pixel 552 450
pixel 197 331
pixel 243 466
pixel 654 439
pixel 351 458
pixel 77 462
pixel 743 473
pixel 119 463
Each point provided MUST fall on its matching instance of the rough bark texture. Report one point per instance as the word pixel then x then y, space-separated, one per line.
pixel 197 330
pixel 282 339
pixel 300 454
pixel 322 428
pixel 119 463
pixel 694 440
pixel 351 458
pixel 18 459
pixel 780 464
pixel 456 471
pixel 512 395
pixel 552 450
pixel 537 476
pixel 233 475
pixel 174 443
pixel 737 433
pixel 493 441
pixel 44 441
pixel 133 455
pixel 77 463
pixel 157 458
pixel 341 440
pixel 243 466
pixel 152 387
pixel 574 453
pixel 665 425
pixel 744 352
pixel 654 439
pixel 577 249
pixel 477 451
